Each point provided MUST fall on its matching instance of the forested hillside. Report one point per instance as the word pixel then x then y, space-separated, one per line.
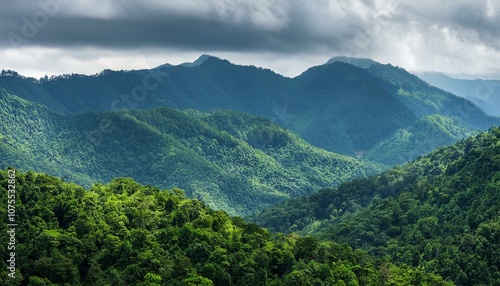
pixel 342 107
pixel 421 137
pixel 338 106
pixel 230 160
pixel 439 212
pixel 424 99
pixel 123 233
pixel 483 93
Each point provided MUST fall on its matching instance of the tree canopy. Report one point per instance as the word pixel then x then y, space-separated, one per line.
pixel 124 233
pixel 439 212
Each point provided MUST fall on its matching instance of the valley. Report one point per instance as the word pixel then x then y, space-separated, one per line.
pixel 360 172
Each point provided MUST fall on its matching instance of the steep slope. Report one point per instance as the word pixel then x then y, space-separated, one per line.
pixel 343 108
pixel 230 160
pixel 30 90
pixel 211 84
pixel 483 93
pixel 421 137
pixel 425 99
pixel 422 98
pixel 123 233
pixel 31 137
pixel 439 212
pixel 337 106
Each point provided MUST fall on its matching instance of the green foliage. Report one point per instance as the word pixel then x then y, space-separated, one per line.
pixel 123 233
pixel 424 99
pixel 347 109
pixel 230 160
pixel 421 137
pixel 439 213
pixel 339 107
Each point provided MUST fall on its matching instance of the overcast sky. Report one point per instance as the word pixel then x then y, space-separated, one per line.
pixel 39 37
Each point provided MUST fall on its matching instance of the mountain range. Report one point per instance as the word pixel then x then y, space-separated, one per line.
pixel 348 108
pixel 228 159
pixel 303 157
pixel 483 93
pixel 439 212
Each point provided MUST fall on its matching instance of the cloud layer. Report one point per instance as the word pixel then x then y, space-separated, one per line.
pixel 458 37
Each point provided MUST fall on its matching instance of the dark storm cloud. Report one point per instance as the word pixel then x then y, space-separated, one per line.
pixel 467 19
pixel 213 27
pixel 451 36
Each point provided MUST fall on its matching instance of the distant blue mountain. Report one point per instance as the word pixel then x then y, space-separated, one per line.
pixel 359 62
pixel 198 61
pixel 483 93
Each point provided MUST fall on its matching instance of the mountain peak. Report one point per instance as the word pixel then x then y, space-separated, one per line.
pixel 359 62
pixel 198 61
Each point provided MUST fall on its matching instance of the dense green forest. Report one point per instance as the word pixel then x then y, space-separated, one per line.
pixel 425 99
pixel 421 137
pixel 439 213
pixel 241 140
pixel 123 233
pixel 338 106
pixel 383 112
pixel 227 159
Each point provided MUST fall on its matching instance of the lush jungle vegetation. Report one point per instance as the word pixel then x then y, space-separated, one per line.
pixel 229 160
pixel 339 107
pixel 433 221
pixel 124 233
pixel 439 213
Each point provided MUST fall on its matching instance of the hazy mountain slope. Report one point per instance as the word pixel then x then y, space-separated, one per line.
pixel 123 233
pixel 359 62
pixel 213 84
pixel 439 212
pixel 347 108
pixel 229 160
pixel 424 99
pixel 30 89
pixel 483 93
pixel 336 106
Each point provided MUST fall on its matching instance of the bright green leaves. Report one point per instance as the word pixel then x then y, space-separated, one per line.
pixel 126 233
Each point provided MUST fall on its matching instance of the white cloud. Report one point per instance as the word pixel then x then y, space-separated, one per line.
pixel 460 37
pixel 103 9
pixel 38 62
